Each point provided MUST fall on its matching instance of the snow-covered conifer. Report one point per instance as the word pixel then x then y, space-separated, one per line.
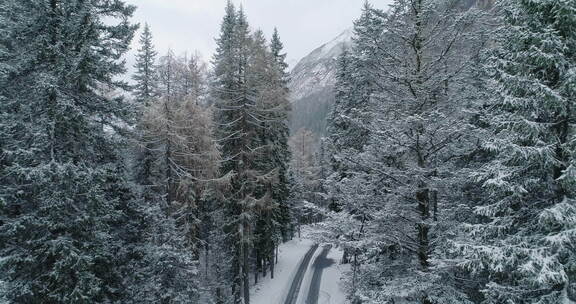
pixel 398 122
pixel 524 236
pixel 61 173
pixel 276 47
pixel 145 75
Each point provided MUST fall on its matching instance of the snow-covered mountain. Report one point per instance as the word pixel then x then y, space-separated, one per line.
pixel 313 79
pixel 317 69
pixel 312 84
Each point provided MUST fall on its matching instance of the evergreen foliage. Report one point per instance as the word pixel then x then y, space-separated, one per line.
pixel 397 125
pixel 61 172
pixel 525 234
pixel 145 75
pixel 446 177
pixel 252 110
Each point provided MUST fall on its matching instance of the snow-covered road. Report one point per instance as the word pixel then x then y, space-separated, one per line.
pixel 304 275
pixel 296 284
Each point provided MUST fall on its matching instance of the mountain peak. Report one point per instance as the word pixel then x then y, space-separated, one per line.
pixel 345 38
pixel 312 84
pixel 317 69
pixel 327 51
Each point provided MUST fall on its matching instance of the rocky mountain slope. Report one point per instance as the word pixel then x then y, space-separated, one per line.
pixel 313 79
pixel 312 85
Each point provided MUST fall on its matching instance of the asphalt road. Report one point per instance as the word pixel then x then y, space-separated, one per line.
pixel 297 282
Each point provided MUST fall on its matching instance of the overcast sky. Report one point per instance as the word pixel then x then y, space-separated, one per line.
pixel 192 25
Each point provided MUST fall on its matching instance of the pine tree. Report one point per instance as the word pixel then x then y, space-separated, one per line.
pixel 349 185
pixel 168 77
pixel 165 270
pixel 223 88
pixel 279 131
pixel 523 235
pixel 272 107
pixel 348 128
pixel 422 125
pixel 196 158
pixel 238 131
pixel 145 75
pixel 398 123
pixel 303 162
pixel 339 127
pixel 61 173
pixel 252 112
pixel 276 47
pixel 146 90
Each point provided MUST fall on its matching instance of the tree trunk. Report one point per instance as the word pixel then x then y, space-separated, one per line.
pixel 260 263
pixel 299 236
pixel 272 260
pixel 219 299
pixel 423 198
pixel 258 266
pixel 246 275
pixel 345 258
pixel 237 281
pixel 264 267
pixel 168 156
pixel 207 261
pixel 354 271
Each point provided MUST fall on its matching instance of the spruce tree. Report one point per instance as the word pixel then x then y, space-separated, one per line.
pixel 303 163
pixel 252 111
pixel 236 128
pixel 348 128
pixel 427 51
pixel 279 131
pixel 398 123
pixel 339 126
pixel 272 108
pixel 145 75
pixel 61 173
pixel 145 91
pixel 223 88
pixel 276 47
pixel 523 238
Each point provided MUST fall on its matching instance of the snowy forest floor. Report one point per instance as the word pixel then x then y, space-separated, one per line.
pixel 322 279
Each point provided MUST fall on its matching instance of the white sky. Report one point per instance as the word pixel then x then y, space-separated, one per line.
pixel 192 25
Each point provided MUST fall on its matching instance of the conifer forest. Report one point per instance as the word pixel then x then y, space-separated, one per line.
pixel 427 155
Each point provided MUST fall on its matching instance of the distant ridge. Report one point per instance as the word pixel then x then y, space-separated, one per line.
pixel 312 84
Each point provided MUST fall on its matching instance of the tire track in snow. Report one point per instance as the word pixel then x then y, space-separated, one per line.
pixel 320 263
pixel 297 282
